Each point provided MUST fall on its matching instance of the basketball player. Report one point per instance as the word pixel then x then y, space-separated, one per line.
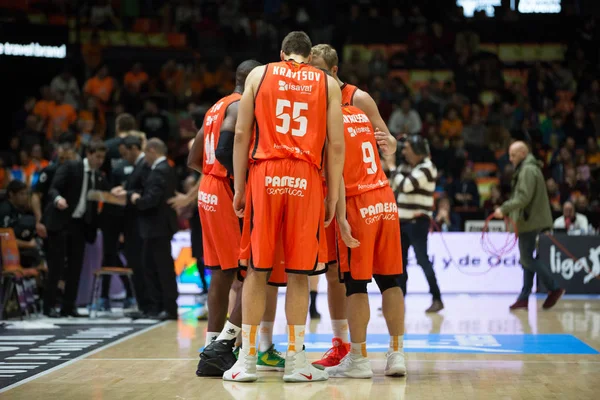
pixel 324 56
pixel 221 227
pixel 370 214
pixel 293 107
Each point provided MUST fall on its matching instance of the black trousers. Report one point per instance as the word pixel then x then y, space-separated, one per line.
pixel 159 275
pixel 414 233
pixel 133 255
pixel 112 227
pixel 65 253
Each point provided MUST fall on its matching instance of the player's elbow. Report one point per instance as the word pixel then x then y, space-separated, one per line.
pixel 193 162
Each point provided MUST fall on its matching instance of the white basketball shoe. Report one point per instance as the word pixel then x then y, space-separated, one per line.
pixel 396 365
pixel 351 366
pixel 244 370
pixel 298 369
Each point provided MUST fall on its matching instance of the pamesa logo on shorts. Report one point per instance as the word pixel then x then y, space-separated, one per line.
pixel 290 185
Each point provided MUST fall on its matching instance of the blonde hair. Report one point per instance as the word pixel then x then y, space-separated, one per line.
pixel 327 53
pixel 140 135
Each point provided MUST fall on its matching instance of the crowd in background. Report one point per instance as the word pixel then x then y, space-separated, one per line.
pixel 465 133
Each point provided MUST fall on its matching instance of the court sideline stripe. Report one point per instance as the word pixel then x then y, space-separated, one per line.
pixel 74 360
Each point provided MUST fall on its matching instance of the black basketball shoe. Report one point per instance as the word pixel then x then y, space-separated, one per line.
pixel 216 358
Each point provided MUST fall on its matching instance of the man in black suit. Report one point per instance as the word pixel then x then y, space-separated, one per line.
pixel 135 158
pixel 158 224
pixel 71 220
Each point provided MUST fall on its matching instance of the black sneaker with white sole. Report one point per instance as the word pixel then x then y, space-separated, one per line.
pixel 216 358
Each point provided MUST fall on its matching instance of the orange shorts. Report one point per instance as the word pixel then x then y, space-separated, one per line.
pixel 373 219
pixel 220 226
pixel 278 276
pixel 287 201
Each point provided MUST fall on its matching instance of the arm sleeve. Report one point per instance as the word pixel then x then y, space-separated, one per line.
pixel 523 192
pixel 61 178
pixel 224 151
pixel 153 193
pixel 417 178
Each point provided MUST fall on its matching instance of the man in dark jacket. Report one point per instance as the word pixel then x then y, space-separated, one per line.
pixel 158 224
pixel 71 220
pixel 529 206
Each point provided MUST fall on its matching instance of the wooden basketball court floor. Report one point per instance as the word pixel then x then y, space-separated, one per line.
pixel 474 349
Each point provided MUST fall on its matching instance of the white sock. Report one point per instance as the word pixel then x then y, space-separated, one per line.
pixel 210 337
pixel 295 339
pixel 359 349
pixel 249 338
pixel 396 343
pixel 229 332
pixel 265 336
pixel 340 329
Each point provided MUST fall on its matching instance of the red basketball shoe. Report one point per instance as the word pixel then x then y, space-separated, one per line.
pixel 334 355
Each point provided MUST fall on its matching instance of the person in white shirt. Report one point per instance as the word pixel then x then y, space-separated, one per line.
pixel 405 120
pixel 573 222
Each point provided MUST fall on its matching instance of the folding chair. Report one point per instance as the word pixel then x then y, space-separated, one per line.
pixel 97 284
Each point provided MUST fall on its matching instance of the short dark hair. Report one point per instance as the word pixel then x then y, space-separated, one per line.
pixel 243 70
pixel 96 145
pixel 131 141
pixel 297 42
pixel 15 186
pixel 125 122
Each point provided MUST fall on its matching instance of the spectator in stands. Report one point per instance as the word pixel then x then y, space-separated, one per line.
pixel 579 127
pixel 574 223
pixel 154 122
pixel 136 79
pixel 92 123
pixel 427 104
pixel 445 218
pixel 61 118
pixel 15 213
pixel 464 192
pixel 583 169
pixel 43 107
pixel 553 131
pixel 66 84
pixel 591 96
pixel 572 185
pixel 405 120
pixel 20 116
pixel 378 65
pixel 102 87
pixel 5 175
pixel 593 153
pixel 451 126
pixel 475 135
pixel 31 135
pixel 553 194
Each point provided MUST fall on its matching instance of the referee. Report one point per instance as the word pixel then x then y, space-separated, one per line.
pixel 414 184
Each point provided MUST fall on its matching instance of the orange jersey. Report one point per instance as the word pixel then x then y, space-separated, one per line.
pixel 212 131
pixel 362 168
pixel 291 113
pixel 348 92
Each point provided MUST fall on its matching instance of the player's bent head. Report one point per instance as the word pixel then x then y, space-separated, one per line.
pixel 125 122
pixel 132 142
pixel 326 57
pixel 242 72
pixel 296 42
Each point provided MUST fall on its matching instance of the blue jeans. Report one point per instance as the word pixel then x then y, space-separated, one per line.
pixel 532 266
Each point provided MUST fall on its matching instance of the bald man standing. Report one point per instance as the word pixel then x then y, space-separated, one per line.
pixel 529 206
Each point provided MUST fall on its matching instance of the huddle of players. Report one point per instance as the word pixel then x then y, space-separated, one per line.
pixel 303 140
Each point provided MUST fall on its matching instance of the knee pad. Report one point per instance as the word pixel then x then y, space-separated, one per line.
pixel 353 286
pixel 386 282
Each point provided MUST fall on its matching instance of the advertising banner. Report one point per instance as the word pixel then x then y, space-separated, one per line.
pixel 460 263
pixel 574 261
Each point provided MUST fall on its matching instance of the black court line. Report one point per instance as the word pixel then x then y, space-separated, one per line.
pixel 26 354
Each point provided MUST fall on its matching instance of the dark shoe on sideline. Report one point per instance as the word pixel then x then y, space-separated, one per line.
pixel 314 314
pixel 520 304
pixel 72 313
pixel 52 314
pixel 164 316
pixel 436 306
pixel 216 358
pixel 553 297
